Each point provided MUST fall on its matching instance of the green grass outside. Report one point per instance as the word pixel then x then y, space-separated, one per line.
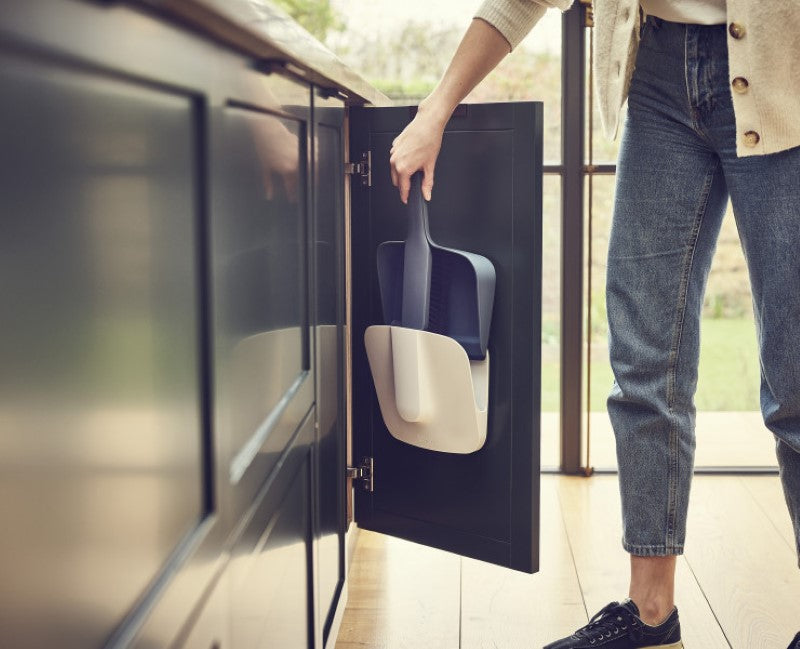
pixel 728 375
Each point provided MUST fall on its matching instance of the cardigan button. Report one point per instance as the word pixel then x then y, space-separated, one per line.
pixel 740 84
pixel 751 138
pixel 736 30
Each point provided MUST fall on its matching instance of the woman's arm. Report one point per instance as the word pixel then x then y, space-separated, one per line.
pixel 417 147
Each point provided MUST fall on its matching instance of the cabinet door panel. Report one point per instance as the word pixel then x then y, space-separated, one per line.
pixel 100 417
pixel 270 568
pixel 263 385
pixel 487 200
pixel 329 317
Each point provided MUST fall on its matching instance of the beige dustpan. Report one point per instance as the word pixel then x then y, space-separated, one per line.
pixel 430 393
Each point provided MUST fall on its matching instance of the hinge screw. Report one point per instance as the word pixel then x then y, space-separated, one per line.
pixel 363 472
pixel 363 168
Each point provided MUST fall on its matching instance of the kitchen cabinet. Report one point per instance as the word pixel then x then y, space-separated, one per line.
pixel 178 220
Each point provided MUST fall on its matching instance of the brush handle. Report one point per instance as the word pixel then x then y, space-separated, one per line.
pixel 417 260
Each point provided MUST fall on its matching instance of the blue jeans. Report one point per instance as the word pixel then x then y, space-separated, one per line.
pixel 677 167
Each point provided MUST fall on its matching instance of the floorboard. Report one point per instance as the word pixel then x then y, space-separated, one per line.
pixel 748 572
pixel 737 586
pixel 768 493
pixel 401 596
pixel 506 609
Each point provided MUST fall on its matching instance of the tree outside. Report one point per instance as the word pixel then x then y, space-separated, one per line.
pixel 317 16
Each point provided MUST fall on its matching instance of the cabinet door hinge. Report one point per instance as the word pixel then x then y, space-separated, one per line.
pixel 364 472
pixel 363 168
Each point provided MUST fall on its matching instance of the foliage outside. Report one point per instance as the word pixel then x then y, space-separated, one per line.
pixel 316 16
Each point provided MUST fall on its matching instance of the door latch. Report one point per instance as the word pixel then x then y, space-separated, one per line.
pixel 362 169
pixel 363 472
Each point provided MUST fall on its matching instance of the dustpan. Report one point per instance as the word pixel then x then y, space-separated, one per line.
pixel 455 289
pixel 431 393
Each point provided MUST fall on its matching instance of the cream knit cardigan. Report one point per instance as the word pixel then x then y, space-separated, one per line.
pixel 768 56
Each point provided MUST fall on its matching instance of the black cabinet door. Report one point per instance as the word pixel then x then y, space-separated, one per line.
pixel 487 200
pixel 328 322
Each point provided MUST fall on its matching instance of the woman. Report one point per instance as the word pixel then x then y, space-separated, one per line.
pixel 713 93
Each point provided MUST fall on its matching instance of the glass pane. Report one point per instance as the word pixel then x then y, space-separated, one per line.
pixel 532 72
pixel 597 370
pixel 403 48
pixel 551 320
pixel 729 428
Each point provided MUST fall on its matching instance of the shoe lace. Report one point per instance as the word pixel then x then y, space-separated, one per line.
pixel 611 620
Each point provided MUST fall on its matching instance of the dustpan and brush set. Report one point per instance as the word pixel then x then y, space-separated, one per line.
pixel 430 362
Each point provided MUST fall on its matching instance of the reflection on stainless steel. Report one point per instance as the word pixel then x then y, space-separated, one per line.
pixel 262 365
pixel 100 459
pixel 329 297
pixel 268 572
pixel 329 497
pixel 278 153
pixel 259 267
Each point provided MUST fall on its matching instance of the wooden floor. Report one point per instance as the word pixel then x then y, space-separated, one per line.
pixel 738 585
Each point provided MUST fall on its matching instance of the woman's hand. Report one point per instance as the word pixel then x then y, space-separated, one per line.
pixel 417 147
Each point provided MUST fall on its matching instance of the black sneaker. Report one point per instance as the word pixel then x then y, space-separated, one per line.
pixel 618 626
pixel 795 644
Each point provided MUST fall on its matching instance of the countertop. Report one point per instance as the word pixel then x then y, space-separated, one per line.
pixel 261 29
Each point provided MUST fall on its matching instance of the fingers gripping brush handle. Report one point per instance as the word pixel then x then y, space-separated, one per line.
pixel 417 260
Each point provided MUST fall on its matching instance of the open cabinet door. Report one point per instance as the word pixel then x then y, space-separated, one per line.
pixel 487 199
